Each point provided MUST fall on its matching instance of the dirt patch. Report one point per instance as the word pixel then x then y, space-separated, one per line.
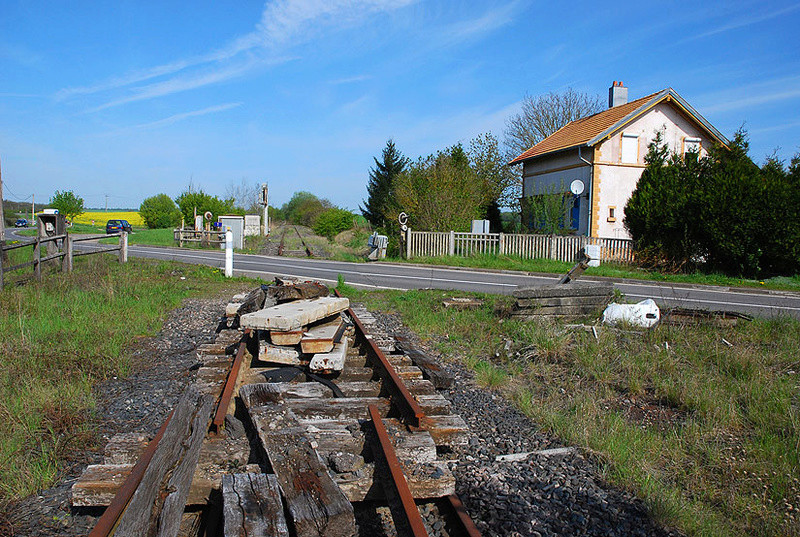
pixel 649 413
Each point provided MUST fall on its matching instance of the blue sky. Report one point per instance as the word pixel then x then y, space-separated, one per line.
pixel 131 99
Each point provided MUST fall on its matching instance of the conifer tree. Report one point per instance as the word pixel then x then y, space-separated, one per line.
pixel 380 186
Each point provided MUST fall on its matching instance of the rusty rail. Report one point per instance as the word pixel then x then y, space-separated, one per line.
pixel 227 393
pixel 108 521
pixel 281 245
pixel 467 525
pixel 413 412
pixel 399 482
pixel 303 242
pixel 417 419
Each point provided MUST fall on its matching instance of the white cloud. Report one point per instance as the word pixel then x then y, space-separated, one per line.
pixel 351 79
pixel 183 83
pixel 186 115
pixel 742 22
pixel 283 23
pixel 494 18
pixel 751 95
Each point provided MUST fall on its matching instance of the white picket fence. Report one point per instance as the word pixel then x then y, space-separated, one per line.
pixel 559 248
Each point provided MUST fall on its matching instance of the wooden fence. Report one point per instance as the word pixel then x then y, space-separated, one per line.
pixel 202 236
pixel 559 248
pixel 59 247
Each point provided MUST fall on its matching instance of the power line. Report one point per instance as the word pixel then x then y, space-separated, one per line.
pixel 19 198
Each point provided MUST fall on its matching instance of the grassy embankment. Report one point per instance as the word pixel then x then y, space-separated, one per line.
pixel 608 270
pixel 706 433
pixel 60 336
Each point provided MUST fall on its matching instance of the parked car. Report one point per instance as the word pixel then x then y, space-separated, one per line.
pixel 116 226
pixel 21 223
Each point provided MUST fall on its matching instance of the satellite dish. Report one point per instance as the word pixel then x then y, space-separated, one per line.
pixel 576 187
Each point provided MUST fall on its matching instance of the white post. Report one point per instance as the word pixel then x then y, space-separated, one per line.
pixel 451 247
pixel 123 247
pixel 408 243
pixel 229 253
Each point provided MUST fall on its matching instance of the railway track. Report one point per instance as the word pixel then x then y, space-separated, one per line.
pixel 359 452
pixel 282 246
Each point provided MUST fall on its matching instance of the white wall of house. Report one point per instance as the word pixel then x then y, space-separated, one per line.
pixel 676 127
pixel 617 175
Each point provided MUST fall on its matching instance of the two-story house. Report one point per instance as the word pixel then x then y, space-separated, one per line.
pixel 599 159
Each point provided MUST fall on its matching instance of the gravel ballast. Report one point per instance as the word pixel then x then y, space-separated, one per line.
pixel 544 495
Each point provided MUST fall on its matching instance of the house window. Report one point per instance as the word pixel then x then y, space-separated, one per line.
pixel 691 145
pixel 612 214
pixel 630 148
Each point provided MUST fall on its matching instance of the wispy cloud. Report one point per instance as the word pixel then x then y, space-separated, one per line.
pixel 181 83
pixel 20 54
pixel 742 22
pixel 351 79
pixel 171 120
pixel 186 115
pixel 491 20
pixel 283 23
pixel 22 95
pixel 775 128
pixel 751 95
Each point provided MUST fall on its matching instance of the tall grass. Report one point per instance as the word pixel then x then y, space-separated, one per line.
pixel 706 433
pixel 58 337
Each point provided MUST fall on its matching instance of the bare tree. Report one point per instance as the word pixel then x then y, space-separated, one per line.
pixel 543 115
pixel 244 195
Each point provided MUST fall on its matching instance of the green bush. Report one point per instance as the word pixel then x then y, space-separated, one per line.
pixel 331 222
pixel 304 208
pixel 720 213
pixel 191 200
pixel 160 212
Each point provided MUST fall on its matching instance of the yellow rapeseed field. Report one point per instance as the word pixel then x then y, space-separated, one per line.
pixel 101 217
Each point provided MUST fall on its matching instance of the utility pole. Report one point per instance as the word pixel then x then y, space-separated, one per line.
pixel 33 206
pixel 3 254
pixel 106 202
pixel 2 216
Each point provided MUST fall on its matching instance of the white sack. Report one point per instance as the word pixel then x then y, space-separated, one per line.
pixel 644 313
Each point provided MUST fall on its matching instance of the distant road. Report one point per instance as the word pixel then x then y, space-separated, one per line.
pixel 408 276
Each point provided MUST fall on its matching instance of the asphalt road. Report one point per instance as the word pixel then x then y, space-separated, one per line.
pixel 404 276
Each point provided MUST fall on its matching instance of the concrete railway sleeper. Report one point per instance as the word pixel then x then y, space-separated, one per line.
pixel 363 452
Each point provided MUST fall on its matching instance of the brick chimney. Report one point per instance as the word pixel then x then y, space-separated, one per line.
pixel 617 94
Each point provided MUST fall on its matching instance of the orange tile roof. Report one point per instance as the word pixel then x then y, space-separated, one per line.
pixel 581 131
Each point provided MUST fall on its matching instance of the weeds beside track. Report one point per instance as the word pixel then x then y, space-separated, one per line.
pixel 706 432
pixel 58 337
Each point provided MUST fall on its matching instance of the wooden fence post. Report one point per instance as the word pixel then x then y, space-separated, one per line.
pixel 123 247
pixel 66 263
pixel 501 244
pixel 37 264
pixel 451 246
